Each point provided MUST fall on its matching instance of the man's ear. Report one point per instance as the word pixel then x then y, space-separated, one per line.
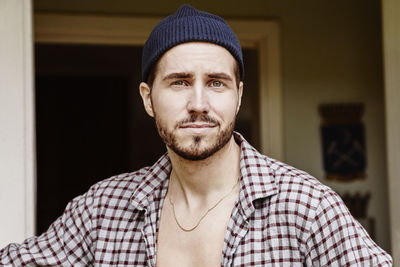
pixel 240 93
pixel 145 92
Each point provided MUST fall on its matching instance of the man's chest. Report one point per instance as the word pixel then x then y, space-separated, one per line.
pixel 201 246
pixel 253 249
pixel 147 240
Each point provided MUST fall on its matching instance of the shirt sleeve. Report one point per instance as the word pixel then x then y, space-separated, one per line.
pixel 66 243
pixel 337 239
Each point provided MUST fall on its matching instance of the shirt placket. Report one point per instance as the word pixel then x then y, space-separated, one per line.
pixel 149 238
pixel 237 229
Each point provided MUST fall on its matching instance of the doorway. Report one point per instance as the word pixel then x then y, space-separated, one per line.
pixel 91 124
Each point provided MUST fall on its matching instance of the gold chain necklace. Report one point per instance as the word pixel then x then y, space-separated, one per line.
pixel 204 215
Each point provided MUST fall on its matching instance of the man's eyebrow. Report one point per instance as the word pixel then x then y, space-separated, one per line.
pixel 220 75
pixel 178 75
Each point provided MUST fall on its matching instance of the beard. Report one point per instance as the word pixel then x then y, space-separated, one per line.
pixel 196 150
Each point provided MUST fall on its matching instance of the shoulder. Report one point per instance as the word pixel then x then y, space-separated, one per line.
pixel 114 191
pixel 306 194
pixel 287 183
pixel 128 190
pixel 323 223
pixel 122 182
pixel 297 186
pixel 301 200
pixel 288 191
pixel 120 186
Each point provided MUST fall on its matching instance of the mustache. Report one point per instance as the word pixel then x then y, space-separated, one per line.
pixel 198 118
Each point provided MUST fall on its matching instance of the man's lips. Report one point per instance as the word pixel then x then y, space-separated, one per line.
pixel 199 126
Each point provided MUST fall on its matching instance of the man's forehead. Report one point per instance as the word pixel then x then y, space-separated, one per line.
pixel 201 45
pixel 191 53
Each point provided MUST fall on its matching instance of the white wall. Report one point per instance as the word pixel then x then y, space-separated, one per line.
pixel 16 119
pixel 333 55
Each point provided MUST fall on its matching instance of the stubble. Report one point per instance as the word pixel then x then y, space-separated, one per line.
pixel 196 150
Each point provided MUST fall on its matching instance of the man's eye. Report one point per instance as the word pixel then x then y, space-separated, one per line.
pixel 179 83
pixel 216 84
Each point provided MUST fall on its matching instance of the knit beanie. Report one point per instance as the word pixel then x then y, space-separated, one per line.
pixel 189 25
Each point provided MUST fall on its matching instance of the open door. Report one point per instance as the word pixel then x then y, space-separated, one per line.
pixel 91 123
pixel 90 119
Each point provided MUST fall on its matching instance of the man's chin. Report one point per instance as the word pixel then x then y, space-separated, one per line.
pixel 194 154
pixel 198 148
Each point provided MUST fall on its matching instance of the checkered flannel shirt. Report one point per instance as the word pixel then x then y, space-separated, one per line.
pixel 283 217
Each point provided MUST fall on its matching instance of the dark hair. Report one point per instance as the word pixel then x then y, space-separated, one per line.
pixel 152 75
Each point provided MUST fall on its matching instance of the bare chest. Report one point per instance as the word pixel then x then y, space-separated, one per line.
pixel 200 247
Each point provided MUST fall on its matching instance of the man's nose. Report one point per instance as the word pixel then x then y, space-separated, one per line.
pixel 198 99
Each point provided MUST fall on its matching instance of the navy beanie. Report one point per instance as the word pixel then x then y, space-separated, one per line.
pixel 188 25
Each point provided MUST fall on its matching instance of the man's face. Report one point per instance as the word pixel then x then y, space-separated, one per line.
pixel 194 99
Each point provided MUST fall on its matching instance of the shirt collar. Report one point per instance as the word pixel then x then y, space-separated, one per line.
pixel 153 181
pixel 256 179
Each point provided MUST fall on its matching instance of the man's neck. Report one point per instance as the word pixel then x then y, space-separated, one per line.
pixel 201 182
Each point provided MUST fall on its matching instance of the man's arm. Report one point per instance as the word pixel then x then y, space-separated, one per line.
pixel 337 239
pixel 66 242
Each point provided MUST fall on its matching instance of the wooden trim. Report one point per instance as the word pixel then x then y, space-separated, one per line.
pixel 29 123
pixel 264 35
pixel 391 56
pixel 114 30
pixel 17 134
pixel 91 29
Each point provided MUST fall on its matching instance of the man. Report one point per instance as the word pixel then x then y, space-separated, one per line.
pixel 212 200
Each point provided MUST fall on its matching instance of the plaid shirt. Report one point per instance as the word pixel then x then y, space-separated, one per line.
pixel 283 217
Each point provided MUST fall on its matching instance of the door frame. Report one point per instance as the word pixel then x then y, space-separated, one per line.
pixel 121 30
